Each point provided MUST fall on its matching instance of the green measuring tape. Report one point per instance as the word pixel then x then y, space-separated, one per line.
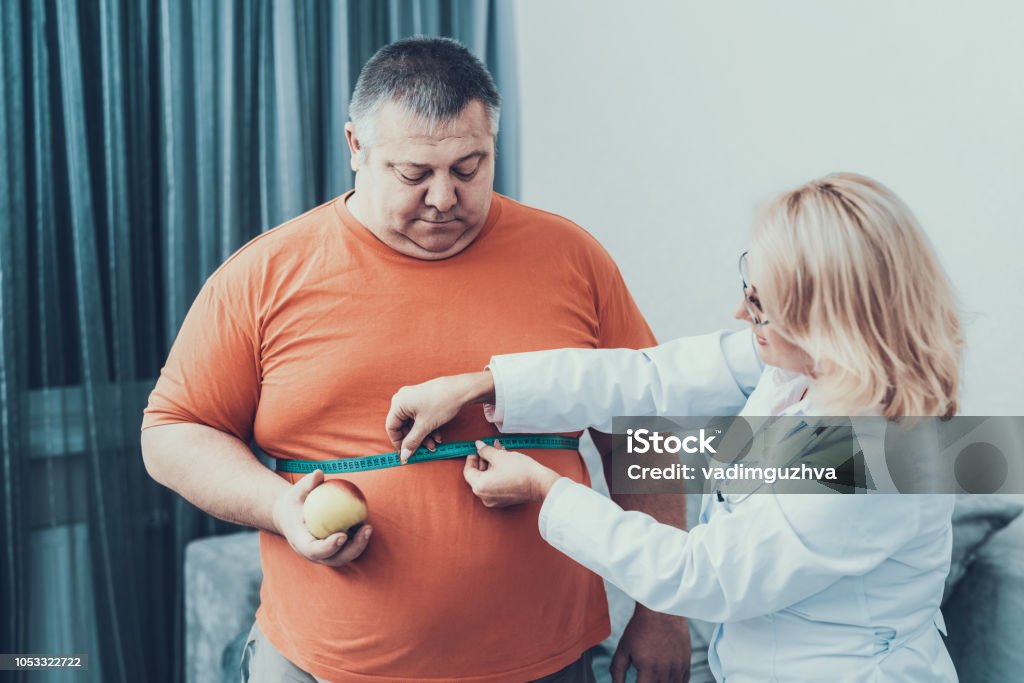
pixel 445 451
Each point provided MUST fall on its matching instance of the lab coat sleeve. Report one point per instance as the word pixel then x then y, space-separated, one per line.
pixel 772 551
pixel 569 389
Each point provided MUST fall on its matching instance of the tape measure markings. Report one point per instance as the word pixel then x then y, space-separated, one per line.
pixel 445 451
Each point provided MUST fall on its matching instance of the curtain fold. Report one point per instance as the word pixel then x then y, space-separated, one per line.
pixel 141 143
pixel 13 321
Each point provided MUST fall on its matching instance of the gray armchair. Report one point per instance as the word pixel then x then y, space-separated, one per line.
pixel 984 612
pixel 222 592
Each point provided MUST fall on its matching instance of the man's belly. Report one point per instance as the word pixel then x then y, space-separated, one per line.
pixel 444 582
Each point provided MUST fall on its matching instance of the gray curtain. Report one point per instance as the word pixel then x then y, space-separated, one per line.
pixel 142 142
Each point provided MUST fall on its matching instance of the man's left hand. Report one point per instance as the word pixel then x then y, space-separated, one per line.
pixel 656 645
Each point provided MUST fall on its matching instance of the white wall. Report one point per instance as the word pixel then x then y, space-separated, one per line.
pixel 660 125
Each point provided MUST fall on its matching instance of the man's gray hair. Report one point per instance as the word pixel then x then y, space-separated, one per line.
pixel 433 78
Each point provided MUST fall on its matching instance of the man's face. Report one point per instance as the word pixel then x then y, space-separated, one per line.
pixel 424 193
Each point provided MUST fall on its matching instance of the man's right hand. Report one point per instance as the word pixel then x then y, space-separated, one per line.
pixel 418 411
pixel 334 551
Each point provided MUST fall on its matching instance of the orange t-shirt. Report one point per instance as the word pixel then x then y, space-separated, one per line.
pixel 299 341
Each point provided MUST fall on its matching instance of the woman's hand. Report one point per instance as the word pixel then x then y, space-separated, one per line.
pixel 499 477
pixel 418 411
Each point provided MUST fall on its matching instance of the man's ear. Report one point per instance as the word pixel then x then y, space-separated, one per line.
pixel 354 147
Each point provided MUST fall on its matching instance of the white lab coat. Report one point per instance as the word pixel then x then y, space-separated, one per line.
pixel 805 587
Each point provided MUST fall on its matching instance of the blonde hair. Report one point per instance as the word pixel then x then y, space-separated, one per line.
pixel 849 276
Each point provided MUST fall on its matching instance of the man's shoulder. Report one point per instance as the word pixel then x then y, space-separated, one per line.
pixel 292 241
pixel 549 226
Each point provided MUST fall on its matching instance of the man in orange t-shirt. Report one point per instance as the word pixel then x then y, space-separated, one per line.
pixel 298 342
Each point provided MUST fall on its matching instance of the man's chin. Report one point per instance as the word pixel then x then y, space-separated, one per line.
pixel 441 243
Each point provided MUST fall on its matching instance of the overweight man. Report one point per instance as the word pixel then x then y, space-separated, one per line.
pixel 299 340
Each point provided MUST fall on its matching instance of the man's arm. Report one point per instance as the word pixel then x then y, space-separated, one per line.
pixel 217 473
pixel 654 643
pixel 214 471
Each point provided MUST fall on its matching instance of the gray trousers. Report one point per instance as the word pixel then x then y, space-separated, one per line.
pixel 262 663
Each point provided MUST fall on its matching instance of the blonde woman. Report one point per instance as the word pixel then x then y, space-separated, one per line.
pixel 851 315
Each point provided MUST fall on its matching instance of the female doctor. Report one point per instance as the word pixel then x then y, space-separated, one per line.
pixel 852 315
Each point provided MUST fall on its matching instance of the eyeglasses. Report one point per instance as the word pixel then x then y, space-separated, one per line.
pixel 750 300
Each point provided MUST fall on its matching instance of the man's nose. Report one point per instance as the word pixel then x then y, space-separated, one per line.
pixel 441 194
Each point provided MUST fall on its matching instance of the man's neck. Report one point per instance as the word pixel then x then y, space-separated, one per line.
pixel 401 244
pixel 356 209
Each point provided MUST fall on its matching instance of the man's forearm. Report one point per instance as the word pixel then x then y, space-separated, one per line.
pixel 214 471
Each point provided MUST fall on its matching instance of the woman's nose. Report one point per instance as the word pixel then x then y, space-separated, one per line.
pixel 741 313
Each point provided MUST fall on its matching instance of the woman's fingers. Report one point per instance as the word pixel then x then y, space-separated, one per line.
pixel 471 471
pixel 487 453
pixel 417 433
pixel 418 412
pixel 396 424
